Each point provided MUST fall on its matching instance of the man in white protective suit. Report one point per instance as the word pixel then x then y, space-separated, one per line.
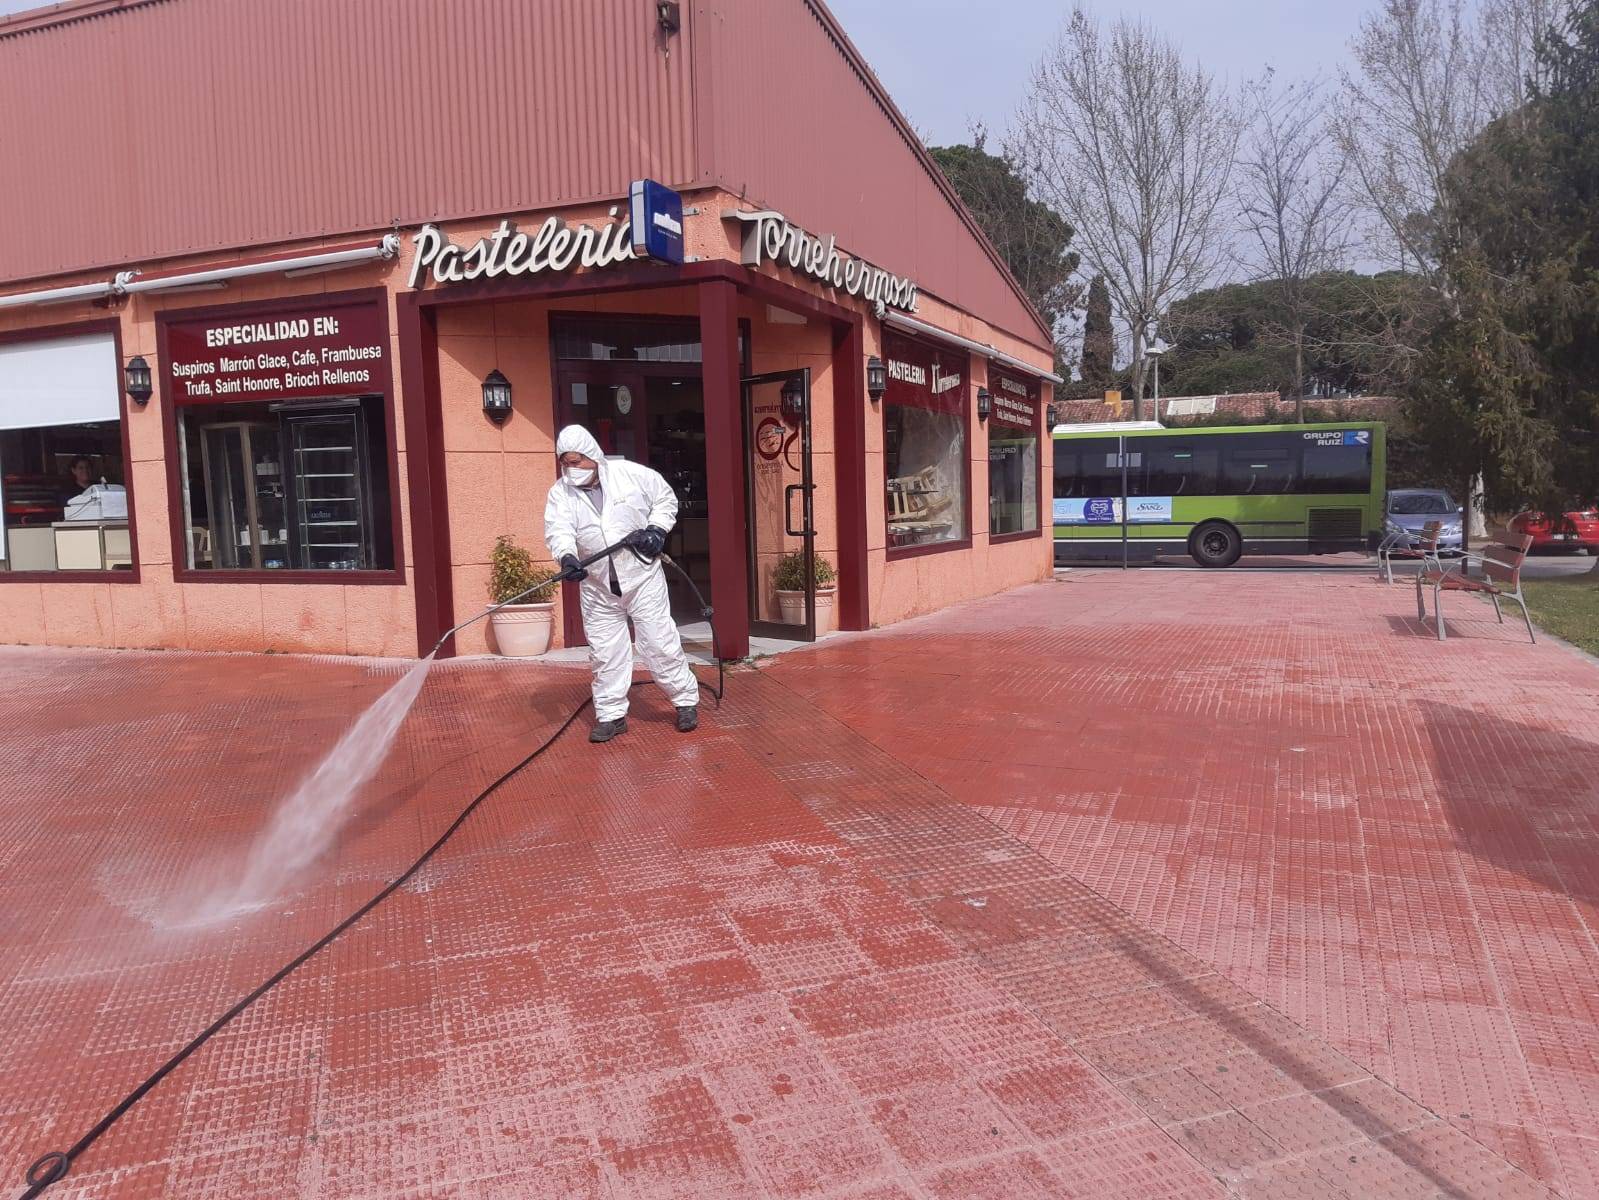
pixel 596 503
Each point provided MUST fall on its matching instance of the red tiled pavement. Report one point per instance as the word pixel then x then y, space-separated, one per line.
pixel 1115 887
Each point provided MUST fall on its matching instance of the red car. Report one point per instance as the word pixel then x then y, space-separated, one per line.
pixel 1578 530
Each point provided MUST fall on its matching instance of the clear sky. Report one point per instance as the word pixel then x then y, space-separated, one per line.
pixel 948 62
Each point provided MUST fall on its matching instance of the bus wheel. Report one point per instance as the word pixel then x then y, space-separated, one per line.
pixel 1215 544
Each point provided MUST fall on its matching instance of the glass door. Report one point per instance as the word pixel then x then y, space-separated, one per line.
pixel 608 401
pixel 779 500
pixel 244 492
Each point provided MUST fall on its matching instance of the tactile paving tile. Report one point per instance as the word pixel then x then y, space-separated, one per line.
pixel 751 963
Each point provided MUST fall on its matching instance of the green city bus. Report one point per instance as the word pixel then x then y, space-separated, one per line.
pixel 1217 493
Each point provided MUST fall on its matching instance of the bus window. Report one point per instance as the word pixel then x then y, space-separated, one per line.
pixel 1087 467
pixel 1066 482
pixel 1177 469
pixel 1336 469
pixel 1261 464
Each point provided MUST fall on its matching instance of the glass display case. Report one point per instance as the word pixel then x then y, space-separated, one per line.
pixel 243 466
pixel 332 506
pixel 291 492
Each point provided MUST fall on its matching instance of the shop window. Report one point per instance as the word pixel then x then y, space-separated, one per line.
pixel 629 339
pixel 1013 436
pixel 63 497
pixel 300 486
pixel 924 445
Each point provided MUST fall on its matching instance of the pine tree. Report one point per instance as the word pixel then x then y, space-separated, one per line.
pixel 1099 341
pixel 1509 384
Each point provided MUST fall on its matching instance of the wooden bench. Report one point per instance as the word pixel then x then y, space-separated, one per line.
pixel 1426 551
pixel 1501 569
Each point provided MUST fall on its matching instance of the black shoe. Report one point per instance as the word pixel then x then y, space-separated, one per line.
pixel 688 718
pixel 604 731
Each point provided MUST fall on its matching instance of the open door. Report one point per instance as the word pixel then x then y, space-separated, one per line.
pixel 779 502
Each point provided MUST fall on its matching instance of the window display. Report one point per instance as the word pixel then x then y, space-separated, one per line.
pixel 63 498
pixel 287 486
pixel 1013 439
pixel 282 436
pixel 924 444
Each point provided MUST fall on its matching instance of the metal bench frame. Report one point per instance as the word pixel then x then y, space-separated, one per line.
pixel 1501 567
pixel 1427 553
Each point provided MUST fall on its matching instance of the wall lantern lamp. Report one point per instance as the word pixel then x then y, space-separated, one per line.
pixel 669 15
pixel 876 378
pixel 985 404
pixel 137 380
pixel 497 397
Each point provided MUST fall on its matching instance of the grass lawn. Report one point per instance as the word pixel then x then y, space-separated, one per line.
pixel 1567 608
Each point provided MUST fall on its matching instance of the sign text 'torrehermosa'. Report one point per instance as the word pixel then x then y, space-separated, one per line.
pixel 768 237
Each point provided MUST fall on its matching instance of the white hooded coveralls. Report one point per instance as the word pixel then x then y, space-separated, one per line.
pixel 631 497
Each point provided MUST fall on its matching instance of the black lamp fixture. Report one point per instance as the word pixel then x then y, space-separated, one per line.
pixel 793 400
pixel 137 380
pixel 497 397
pixel 668 15
pixel 985 404
pixel 876 378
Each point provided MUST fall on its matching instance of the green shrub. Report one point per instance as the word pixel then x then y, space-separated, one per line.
pixel 790 573
pixel 513 571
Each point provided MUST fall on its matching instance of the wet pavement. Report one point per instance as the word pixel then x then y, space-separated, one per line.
pixel 1127 885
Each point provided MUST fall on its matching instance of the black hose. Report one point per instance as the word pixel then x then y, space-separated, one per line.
pixel 50 1167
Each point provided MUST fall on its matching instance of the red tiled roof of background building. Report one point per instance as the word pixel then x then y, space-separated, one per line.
pixel 1248 407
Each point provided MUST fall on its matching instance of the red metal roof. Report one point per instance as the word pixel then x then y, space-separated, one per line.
pixel 150 129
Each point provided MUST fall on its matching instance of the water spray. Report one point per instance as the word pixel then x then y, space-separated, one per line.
pixel 53 1166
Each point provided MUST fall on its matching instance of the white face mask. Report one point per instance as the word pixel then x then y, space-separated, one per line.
pixel 579 476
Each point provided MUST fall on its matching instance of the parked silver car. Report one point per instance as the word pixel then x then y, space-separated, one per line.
pixel 1410 509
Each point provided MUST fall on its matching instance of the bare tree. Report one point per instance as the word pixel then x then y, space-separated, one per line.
pixel 1294 208
pixel 1507 33
pixel 1427 78
pixel 1134 148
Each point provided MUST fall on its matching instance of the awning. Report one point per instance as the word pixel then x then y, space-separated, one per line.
pixel 62 381
pixel 912 325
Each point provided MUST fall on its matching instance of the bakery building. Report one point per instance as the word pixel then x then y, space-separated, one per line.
pixel 292 306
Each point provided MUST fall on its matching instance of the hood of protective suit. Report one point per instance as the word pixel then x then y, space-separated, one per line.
pixel 576 439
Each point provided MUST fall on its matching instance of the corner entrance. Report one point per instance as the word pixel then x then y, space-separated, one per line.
pixel 636 385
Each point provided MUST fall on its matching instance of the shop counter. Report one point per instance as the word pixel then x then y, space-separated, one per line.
pixel 92 546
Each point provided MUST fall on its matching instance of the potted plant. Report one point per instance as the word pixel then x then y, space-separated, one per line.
pixel 522 629
pixel 789 580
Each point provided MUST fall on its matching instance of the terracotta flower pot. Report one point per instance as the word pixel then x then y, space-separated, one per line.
pixel 792 605
pixel 523 630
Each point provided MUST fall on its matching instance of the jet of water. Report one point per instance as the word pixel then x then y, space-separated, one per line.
pixel 305 825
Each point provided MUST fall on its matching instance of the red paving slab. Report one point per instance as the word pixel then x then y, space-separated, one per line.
pixel 1390 840
pixel 1105 888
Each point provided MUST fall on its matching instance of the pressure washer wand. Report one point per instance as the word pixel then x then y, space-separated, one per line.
pixel 563 577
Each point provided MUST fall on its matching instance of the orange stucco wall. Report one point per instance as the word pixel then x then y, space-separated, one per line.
pixel 496 476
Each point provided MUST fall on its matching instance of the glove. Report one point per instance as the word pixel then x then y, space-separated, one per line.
pixel 570 568
pixel 648 541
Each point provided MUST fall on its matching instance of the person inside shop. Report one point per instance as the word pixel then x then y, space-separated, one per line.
pixel 598 502
pixel 79 476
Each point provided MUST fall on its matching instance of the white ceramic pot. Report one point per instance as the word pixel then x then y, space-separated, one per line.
pixel 523 630
pixel 792 605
